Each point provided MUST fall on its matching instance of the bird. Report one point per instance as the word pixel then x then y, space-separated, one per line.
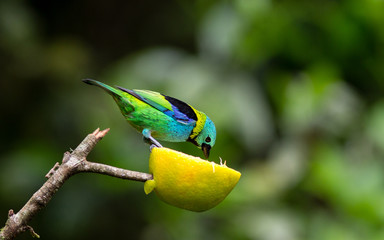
pixel 161 117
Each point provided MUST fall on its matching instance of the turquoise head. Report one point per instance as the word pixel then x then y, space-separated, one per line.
pixel 207 137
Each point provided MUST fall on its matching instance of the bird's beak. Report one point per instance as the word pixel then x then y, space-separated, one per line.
pixel 206 149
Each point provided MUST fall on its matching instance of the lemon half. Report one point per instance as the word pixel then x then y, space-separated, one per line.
pixel 189 182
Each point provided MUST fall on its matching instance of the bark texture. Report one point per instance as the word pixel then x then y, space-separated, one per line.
pixel 72 163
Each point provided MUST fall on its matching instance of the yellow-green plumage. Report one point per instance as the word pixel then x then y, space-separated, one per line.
pixel 162 117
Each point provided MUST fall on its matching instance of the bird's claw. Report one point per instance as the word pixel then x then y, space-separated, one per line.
pixel 152 147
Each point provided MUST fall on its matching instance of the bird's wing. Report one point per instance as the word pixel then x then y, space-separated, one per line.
pixel 172 107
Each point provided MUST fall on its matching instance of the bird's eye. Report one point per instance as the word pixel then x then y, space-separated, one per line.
pixel 208 139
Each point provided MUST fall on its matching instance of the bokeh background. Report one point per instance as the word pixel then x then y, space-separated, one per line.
pixel 295 89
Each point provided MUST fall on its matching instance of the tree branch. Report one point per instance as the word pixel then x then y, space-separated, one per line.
pixel 92 167
pixel 72 164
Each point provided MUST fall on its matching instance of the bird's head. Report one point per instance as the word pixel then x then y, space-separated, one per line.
pixel 207 137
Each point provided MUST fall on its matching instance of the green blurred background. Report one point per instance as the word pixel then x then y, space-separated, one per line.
pixel 295 89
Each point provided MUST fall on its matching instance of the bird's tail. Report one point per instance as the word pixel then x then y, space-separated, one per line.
pixel 118 95
pixel 111 90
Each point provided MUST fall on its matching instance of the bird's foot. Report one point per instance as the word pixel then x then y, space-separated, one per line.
pixel 152 147
pixel 149 139
pixel 153 142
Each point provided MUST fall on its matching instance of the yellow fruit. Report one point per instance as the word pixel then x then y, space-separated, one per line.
pixel 189 182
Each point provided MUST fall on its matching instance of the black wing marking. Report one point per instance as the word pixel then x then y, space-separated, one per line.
pixel 182 108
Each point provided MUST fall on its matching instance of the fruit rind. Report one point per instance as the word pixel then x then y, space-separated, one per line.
pixel 189 182
pixel 149 185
